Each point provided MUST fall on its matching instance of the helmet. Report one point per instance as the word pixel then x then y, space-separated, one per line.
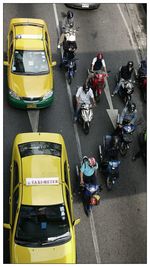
pixel 85 158
pixel 69 15
pixel 130 64
pixel 92 162
pixel 93 201
pixel 100 56
pixel 131 106
pixel 85 88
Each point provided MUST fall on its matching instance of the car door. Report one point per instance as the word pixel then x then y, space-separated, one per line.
pixel 68 190
pixel 13 200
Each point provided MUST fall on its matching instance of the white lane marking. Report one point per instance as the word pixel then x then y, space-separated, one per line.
pixel 112 113
pixel 92 224
pixel 130 35
pixel 34 119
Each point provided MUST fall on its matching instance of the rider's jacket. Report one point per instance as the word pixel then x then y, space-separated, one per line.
pixel 98 63
pixel 125 73
pixel 126 115
pixel 87 170
pixel 84 97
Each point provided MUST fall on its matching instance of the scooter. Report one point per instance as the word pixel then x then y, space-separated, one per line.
pixel 109 162
pixel 97 83
pixel 90 194
pixel 86 116
pixel 71 68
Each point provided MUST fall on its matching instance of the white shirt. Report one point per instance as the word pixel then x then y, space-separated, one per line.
pixel 84 98
pixel 103 62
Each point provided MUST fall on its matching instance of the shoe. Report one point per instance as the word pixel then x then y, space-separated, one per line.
pixel 133 158
pixel 113 95
pixel 58 46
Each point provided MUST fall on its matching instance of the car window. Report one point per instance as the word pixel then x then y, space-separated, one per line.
pixel 15 174
pixel 40 148
pixel 42 225
pixel 10 52
pixel 30 62
pixel 10 37
pixel 15 203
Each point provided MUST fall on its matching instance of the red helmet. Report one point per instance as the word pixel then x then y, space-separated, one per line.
pixel 93 201
pixel 92 162
pixel 100 56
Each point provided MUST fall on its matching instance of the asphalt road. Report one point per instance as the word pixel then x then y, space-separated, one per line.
pixel 117 229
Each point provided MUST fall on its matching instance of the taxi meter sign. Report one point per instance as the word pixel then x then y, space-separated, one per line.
pixel 42 181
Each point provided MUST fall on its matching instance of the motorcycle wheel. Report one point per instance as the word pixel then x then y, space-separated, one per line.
pixel 87 209
pixel 69 79
pixel 109 183
pixel 97 98
pixel 123 149
pixel 86 128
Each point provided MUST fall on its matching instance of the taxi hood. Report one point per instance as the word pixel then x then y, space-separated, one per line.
pixel 59 254
pixel 30 85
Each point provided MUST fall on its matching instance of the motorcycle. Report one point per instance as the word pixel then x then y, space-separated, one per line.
pixel 69 43
pixel 109 161
pixel 90 194
pixel 86 116
pixel 70 67
pixel 141 75
pixel 125 134
pixel 97 83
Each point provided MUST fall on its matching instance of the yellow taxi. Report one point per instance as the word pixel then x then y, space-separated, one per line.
pixel 30 65
pixel 42 224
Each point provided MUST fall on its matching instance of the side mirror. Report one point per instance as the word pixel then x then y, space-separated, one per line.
pixel 54 63
pixel 7 226
pixel 6 63
pixel 77 221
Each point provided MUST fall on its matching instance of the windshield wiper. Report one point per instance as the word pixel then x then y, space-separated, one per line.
pixel 53 239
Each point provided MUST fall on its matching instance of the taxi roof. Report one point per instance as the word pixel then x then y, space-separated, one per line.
pixel 29 37
pixel 42 166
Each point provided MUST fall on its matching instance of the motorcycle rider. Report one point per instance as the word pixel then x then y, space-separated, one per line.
pixel 98 64
pixel 88 171
pixel 69 46
pixel 125 73
pixel 67 24
pixel 128 115
pixel 85 95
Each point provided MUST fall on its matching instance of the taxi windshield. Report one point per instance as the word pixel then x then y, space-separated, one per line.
pixel 42 226
pixel 40 148
pixel 29 62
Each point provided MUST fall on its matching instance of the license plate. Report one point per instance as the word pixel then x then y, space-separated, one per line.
pixel 85 5
pixel 31 105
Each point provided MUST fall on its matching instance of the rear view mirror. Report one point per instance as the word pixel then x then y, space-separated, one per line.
pixel 6 63
pixel 77 221
pixel 7 226
pixel 54 63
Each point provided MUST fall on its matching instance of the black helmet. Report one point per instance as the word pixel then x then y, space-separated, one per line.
pixel 69 15
pixel 131 106
pixel 85 88
pixel 130 64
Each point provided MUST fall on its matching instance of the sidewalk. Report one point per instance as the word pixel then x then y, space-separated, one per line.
pixel 139 26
